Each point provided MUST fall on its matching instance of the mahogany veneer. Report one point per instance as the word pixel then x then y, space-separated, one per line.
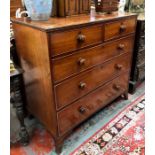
pixel 74 66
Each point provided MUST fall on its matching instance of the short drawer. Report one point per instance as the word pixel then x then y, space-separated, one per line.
pixel 73 64
pixel 67 41
pixel 82 84
pixel 119 28
pixel 74 114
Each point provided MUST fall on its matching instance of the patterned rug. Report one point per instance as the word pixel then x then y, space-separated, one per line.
pixel 123 135
pixel 42 143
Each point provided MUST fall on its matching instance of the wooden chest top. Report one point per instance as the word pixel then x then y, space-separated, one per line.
pixel 56 23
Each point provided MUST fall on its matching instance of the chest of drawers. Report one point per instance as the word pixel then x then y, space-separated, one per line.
pixel 74 66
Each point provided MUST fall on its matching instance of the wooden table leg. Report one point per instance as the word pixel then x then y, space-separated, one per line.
pixel 18 104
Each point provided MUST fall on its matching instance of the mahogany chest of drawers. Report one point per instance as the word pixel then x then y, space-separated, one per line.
pixel 74 66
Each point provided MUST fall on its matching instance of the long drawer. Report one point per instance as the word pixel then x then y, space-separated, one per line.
pixel 67 41
pixel 119 28
pixel 64 67
pixel 74 88
pixel 69 117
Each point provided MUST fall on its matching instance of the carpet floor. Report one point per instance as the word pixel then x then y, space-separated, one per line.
pixel 124 134
pixel 108 132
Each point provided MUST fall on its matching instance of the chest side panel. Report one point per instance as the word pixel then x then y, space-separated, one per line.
pixel 32 48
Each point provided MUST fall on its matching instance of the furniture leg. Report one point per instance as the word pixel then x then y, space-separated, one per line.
pixel 58 145
pixel 132 87
pixel 126 95
pixel 18 104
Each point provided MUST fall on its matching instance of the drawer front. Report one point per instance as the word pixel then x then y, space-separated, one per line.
pixel 67 41
pixel 75 63
pixel 84 83
pixel 83 108
pixel 119 28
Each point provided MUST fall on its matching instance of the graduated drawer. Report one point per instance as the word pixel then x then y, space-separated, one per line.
pixel 70 40
pixel 74 114
pixel 74 88
pixel 72 64
pixel 119 28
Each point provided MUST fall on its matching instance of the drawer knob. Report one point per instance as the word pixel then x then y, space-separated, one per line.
pixel 117 87
pixel 122 28
pixel 81 38
pixel 82 110
pixel 82 85
pixel 121 46
pixel 81 61
pixel 118 66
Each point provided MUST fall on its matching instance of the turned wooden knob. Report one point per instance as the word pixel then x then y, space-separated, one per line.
pixel 82 110
pixel 121 46
pixel 81 61
pixel 118 66
pixel 81 38
pixel 122 28
pixel 117 87
pixel 82 85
